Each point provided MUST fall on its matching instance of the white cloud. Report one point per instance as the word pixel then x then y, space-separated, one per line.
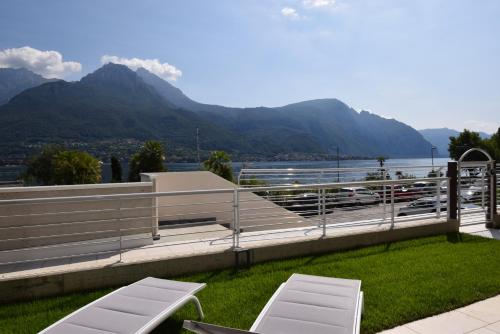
pixel 318 3
pixel 163 70
pixel 49 64
pixel 290 13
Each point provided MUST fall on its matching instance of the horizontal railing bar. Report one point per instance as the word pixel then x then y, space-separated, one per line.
pixel 71 244
pixel 60 257
pixel 115 196
pixel 339 185
pixel 195 213
pixel 192 203
pixel 74 234
pixel 218 221
pixel 107 210
pixel 214 191
pixel 285 170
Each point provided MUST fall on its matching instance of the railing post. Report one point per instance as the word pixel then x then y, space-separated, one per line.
pixel 385 196
pixel 236 222
pixel 155 231
pixel 323 196
pixel 392 204
pixel 494 195
pixel 491 214
pixel 320 176
pixel 120 228
pixel 452 175
pixel 483 188
pixel 438 199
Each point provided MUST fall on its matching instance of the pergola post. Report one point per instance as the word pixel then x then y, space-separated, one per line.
pixel 492 215
pixel 452 174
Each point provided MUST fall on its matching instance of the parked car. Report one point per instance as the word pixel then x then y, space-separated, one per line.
pixel 422 189
pixel 471 194
pixel 309 204
pixel 429 205
pixel 356 196
pixel 422 205
pixel 401 193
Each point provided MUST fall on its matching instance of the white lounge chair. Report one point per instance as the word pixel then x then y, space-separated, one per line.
pixel 136 308
pixel 302 305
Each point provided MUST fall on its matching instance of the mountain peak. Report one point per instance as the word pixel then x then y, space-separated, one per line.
pixel 110 73
pixel 15 80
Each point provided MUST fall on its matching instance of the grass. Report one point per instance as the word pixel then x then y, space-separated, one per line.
pixel 402 281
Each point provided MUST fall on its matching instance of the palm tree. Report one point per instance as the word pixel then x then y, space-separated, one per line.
pixel 219 163
pixel 381 161
pixel 149 159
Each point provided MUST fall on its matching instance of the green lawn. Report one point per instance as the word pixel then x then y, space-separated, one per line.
pixel 402 281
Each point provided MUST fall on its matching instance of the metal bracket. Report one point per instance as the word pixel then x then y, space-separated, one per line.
pixel 242 257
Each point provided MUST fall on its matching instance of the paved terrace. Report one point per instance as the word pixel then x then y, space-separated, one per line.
pixel 479 318
pixel 178 243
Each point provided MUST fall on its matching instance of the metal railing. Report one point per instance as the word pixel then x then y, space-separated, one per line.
pixel 473 186
pixel 46 229
pixel 291 176
pixel 498 185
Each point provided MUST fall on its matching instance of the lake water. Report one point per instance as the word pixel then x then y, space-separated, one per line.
pixel 10 173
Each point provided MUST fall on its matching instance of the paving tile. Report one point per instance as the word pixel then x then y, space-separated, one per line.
pixel 495 327
pixel 483 330
pixel 399 330
pixel 487 310
pixel 447 323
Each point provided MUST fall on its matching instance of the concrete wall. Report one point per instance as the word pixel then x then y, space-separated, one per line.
pixel 187 207
pixel 53 223
pixel 256 213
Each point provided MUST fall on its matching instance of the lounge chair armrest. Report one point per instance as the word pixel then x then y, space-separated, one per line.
pixel 204 328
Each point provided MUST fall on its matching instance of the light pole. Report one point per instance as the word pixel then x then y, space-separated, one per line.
pixel 338 165
pixel 432 156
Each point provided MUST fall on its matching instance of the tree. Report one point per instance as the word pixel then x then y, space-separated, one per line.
pixel 400 175
pixel 493 145
pixel 149 159
pixel 75 167
pixel 219 163
pixel 379 175
pixel 39 167
pixel 381 171
pixel 381 161
pixel 116 170
pixel 465 141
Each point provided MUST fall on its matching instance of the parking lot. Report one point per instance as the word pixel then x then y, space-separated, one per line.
pixel 365 212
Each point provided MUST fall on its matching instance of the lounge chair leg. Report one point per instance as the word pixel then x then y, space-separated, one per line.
pixel 198 307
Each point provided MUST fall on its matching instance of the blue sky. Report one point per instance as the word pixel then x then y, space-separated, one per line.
pixel 428 63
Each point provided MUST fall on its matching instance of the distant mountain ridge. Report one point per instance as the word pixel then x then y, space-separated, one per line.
pixel 371 136
pixel 116 102
pixel 113 102
pixel 15 80
pixel 440 138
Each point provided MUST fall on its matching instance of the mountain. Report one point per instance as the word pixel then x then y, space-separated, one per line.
pixel 440 138
pixel 316 126
pixel 15 80
pixel 113 102
pixel 116 103
pixel 174 95
pixel 170 93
